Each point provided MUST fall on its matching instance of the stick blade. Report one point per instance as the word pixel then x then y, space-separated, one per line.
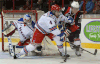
pixel 95 52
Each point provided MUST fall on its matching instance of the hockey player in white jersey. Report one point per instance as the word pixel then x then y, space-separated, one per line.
pixel 23 26
pixel 47 26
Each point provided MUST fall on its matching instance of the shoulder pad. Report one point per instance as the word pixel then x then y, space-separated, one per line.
pixel 21 19
pixel 50 14
pixel 65 9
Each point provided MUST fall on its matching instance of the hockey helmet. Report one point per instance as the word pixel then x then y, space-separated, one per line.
pixel 55 7
pixel 75 4
pixel 56 10
pixel 27 18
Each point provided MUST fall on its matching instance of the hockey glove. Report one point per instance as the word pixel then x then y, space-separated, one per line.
pixel 74 27
pixel 64 34
pixel 70 20
pixel 67 32
pixel 9 30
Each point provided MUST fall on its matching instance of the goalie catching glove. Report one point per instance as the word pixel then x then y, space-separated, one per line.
pixel 9 30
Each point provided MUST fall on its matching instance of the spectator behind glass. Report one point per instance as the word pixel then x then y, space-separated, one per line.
pixel 3 8
pixel 53 2
pixel 27 6
pixel 96 9
pixel 21 8
pixel 38 5
pixel 46 6
pixel 89 6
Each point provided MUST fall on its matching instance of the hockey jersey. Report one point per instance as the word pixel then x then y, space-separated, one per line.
pixel 48 23
pixel 25 31
pixel 77 18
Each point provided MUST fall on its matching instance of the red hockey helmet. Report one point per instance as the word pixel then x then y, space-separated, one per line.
pixel 55 7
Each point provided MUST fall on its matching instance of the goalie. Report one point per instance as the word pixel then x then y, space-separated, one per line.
pixel 23 26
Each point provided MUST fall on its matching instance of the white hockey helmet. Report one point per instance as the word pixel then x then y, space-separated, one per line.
pixel 27 18
pixel 75 4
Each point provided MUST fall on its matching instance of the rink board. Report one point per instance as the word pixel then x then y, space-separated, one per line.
pixel 85 42
pixel 84 45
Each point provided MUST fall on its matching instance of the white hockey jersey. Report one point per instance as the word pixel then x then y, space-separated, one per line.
pixel 25 32
pixel 48 23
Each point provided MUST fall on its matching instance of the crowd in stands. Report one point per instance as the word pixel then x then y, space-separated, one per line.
pixel 91 6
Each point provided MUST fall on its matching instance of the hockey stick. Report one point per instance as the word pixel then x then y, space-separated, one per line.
pixel 65 51
pixel 95 52
pixel 65 59
pixel 65 47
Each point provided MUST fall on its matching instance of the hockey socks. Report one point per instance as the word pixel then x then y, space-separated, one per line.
pixel 25 50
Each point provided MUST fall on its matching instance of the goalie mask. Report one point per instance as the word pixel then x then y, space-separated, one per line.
pixel 56 10
pixel 27 19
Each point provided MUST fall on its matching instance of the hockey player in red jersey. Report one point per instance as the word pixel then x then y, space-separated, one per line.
pixel 75 27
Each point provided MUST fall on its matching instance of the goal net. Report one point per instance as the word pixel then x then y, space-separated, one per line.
pixel 9 16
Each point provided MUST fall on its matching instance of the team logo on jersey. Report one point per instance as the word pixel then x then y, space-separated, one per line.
pixel 92 31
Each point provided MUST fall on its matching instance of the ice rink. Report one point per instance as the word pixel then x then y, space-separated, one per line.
pixel 86 58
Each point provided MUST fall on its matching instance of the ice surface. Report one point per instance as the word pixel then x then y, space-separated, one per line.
pixel 86 58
